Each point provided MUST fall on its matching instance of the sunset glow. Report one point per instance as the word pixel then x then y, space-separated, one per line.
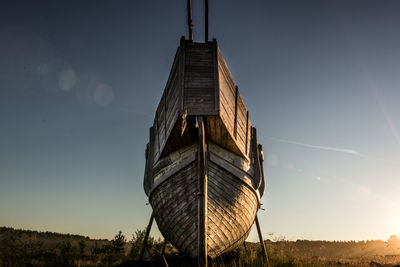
pixel 80 83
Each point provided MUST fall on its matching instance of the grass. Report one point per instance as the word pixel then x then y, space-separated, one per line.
pixel 32 248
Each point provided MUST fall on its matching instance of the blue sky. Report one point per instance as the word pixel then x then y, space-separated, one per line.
pixel 80 81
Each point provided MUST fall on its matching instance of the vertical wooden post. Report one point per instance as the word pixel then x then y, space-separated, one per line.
pixel 165 114
pixel 182 73
pixel 158 131
pixel 202 200
pixel 146 237
pixel 236 110
pixel 216 75
pixel 206 21
pixel 247 130
pixel 190 22
pixel 163 252
pixel 148 180
pixel 261 241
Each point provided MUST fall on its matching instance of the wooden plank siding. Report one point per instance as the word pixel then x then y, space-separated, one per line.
pixel 169 107
pixel 200 84
pixel 233 111
pixel 231 209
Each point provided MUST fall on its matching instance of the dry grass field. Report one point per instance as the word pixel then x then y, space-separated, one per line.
pixel 32 248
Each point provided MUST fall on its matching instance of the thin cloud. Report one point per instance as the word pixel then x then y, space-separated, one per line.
pixel 335 149
pixel 328 148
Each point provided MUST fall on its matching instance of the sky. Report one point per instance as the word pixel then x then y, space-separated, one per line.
pixel 80 82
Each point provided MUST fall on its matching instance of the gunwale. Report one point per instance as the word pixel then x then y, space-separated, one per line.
pixel 193 157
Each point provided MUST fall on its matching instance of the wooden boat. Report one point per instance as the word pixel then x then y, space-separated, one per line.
pixel 204 175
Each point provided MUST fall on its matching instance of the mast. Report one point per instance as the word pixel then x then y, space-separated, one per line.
pixel 190 21
pixel 206 21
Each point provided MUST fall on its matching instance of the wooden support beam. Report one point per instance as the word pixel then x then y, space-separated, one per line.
pixel 162 252
pixel 148 174
pixel 206 21
pixel 146 237
pixel 216 75
pixel 190 21
pixel 202 200
pixel 258 175
pixel 261 241
pixel 158 132
pixel 182 73
pixel 247 131
pixel 236 111
pixel 165 114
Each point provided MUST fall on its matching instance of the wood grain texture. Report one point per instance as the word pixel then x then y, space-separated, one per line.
pixel 200 84
pixel 202 196
pixel 233 111
pixel 231 206
pixel 169 108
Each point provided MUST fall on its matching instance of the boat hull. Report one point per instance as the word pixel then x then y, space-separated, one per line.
pixel 232 202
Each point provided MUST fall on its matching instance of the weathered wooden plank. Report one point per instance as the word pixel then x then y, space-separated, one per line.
pixel 231 192
pixel 200 93
pixel 173 168
pixel 249 196
pixel 227 182
pixel 211 245
pixel 236 115
pixel 182 71
pixel 261 240
pixel 238 161
pixel 188 244
pixel 216 74
pixel 234 170
pixel 173 220
pixel 230 198
pixel 148 177
pixel 181 153
pixel 225 71
pixel 234 218
pixel 228 103
pixel 180 188
pixel 231 224
pixel 219 223
pixel 181 181
pixel 200 111
pixel 173 117
pixel 202 198
pixel 146 237
pixel 238 242
pixel 205 72
pixel 215 236
pixel 247 133
pixel 180 229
